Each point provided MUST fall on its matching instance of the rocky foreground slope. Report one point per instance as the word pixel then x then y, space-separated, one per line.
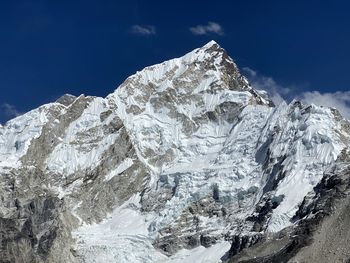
pixel 184 162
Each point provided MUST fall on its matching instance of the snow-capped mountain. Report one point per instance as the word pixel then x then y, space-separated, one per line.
pixel 183 162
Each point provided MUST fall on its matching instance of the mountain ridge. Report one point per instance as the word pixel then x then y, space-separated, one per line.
pixel 184 159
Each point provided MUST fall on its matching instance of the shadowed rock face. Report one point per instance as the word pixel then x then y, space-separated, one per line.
pixel 183 157
pixel 33 222
pixel 34 228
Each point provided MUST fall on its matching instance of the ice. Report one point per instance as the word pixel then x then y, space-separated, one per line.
pixel 123 237
pixel 213 254
pixel 121 168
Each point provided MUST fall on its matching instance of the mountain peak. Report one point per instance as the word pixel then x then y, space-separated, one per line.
pixel 209 51
pixel 210 44
pixel 209 62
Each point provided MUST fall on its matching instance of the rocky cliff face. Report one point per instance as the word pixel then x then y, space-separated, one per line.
pixel 184 162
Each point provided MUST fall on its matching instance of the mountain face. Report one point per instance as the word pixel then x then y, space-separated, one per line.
pixel 184 162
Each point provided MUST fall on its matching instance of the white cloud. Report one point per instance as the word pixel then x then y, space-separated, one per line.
pixel 339 100
pixel 277 93
pixel 210 28
pixel 143 30
pixel 9 111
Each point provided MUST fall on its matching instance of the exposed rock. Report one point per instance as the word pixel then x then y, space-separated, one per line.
pixel 321 232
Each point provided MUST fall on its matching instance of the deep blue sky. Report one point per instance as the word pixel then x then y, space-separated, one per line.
pixel 49 48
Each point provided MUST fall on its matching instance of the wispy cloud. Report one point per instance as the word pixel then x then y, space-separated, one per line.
pixel 210 28
pixel 143 30
pixel 339 100
pixel 278 93
pixel 9 111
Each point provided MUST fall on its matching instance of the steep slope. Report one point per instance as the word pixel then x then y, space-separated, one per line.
pixel 321 232
pixel 184 161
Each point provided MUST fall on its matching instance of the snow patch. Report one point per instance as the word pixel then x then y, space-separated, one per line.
pixel 124 165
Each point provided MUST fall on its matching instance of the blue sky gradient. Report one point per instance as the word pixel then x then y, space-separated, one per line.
pixel 49 48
